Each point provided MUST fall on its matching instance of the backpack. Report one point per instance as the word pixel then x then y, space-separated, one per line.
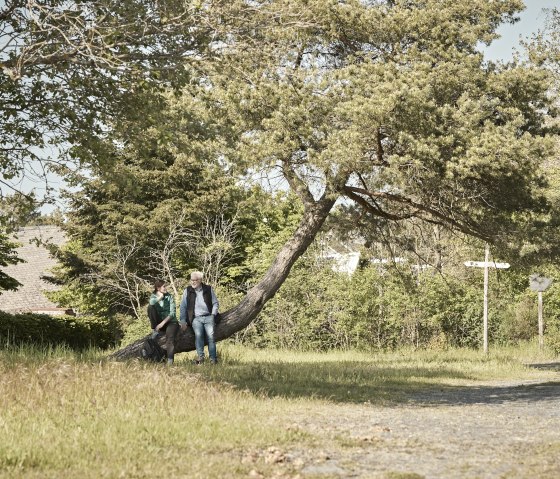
pixel 152 351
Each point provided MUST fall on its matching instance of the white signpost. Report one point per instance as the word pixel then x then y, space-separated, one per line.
pixel 539 284
pixel 486 264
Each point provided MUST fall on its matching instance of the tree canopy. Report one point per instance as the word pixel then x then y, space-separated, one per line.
pixel 70 70
pixel 391 105
pixel 388 105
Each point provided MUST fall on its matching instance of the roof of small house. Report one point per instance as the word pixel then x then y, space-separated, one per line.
pixel 37 264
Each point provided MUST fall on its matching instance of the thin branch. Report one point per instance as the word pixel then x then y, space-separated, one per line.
pixel 445 219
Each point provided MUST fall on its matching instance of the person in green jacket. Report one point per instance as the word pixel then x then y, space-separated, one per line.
pixel 163 317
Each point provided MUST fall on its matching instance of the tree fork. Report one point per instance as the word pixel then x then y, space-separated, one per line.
pixel 240 316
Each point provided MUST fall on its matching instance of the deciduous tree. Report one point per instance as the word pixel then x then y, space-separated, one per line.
pixel 72 70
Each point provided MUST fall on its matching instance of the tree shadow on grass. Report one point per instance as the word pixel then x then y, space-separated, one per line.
pixel 343 381
pixel 544 393
pixel 358 382
pixel 554 366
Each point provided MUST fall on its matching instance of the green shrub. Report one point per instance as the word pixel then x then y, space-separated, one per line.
pixel 551 315
pixel 75 332
pixel 136 329
pixel 520 320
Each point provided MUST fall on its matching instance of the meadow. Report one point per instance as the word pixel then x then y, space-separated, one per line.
pixel 72 414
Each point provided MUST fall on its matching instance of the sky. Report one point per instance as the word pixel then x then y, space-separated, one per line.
pixel 530 21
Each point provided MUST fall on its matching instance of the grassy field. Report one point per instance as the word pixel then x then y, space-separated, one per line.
pixel 78 415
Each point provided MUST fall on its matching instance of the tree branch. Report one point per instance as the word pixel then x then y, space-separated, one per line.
pixel 445 219
pixel 296 184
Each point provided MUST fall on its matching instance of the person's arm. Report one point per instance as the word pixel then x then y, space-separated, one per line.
pixel 162 324
pixel 170 304
pixel 215 304
pixel 172 310
pixel 183 311
pixel 155 298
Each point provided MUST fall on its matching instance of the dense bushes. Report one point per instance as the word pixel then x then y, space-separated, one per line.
pixel 380 308
pixel 391 306
pixel 75 332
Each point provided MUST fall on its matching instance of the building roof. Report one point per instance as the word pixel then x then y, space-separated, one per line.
pixel 38 263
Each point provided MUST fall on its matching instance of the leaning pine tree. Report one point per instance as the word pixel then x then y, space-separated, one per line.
pixel 387 104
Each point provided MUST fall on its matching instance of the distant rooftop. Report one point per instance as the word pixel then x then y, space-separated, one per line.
pixel 38 263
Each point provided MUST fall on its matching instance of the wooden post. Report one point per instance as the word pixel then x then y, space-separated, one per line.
pixel 540 283
pixel 485 333
pixel 541 323
pixel 486 264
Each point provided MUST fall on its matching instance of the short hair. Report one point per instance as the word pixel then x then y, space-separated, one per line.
pixel 197 274
pixel 158 283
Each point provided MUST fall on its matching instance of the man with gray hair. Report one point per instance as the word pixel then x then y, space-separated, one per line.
pixel 199 308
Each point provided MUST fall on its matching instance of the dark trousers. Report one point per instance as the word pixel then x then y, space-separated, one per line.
pixel 170 330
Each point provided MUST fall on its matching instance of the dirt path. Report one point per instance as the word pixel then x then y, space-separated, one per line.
pixel 485 430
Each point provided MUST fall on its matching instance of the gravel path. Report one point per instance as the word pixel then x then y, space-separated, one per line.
pixel 485 430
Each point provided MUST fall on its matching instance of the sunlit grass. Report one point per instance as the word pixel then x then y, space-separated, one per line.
pixel 386 377
pixel 78 415
pixel 83 417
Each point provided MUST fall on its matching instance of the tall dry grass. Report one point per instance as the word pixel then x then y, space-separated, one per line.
pixel 64 414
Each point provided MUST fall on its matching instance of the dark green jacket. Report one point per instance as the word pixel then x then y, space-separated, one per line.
pixel 165 307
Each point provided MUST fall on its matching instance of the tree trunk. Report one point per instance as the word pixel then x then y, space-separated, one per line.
pixel 250 306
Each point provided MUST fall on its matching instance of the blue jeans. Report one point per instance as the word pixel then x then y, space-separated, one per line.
pixel 204 325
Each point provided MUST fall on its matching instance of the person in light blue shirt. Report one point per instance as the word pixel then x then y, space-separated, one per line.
pixel 199 309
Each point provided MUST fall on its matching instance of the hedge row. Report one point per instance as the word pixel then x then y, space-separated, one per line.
pixel 75 332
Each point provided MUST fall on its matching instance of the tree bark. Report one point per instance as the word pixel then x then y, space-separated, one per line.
pixel 250 306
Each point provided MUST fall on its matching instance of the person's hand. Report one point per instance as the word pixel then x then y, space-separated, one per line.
pixel 184 327
pixel 159 326
pixel 159 295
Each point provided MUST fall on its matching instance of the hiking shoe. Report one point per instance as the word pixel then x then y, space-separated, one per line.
pixel 214 361
pixel 198 361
